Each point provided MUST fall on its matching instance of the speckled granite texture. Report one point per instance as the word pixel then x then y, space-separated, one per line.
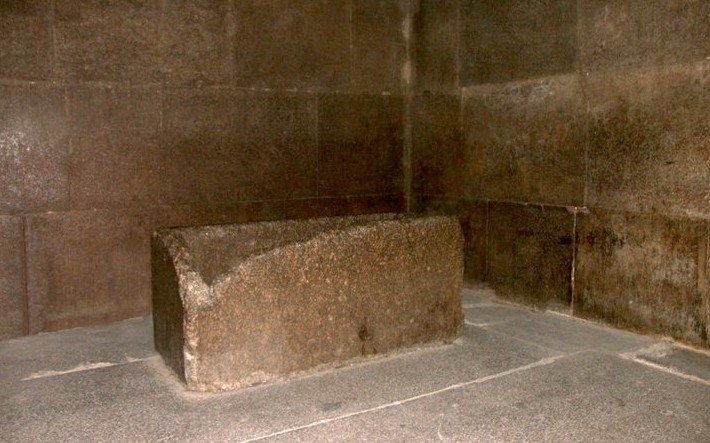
pixel 238 305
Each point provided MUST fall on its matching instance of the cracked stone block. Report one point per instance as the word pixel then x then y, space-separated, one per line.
pixel 238 305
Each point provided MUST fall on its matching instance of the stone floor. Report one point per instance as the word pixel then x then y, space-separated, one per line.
pixel 514 375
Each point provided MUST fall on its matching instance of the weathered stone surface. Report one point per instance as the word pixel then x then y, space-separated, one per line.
pixel 243 304
pixel 33 148
pixel 108 41
pixel 26 43
pixel 530 250
pixel 441 163
pixel 361 143
pixel 436 37
pixel 13 300
pixel 649 140
pixel 503 40
pixel 632 33
pixel 641 272
pixel 526 140
pixel 292 43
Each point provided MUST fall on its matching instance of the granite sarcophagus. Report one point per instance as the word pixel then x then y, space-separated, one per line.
pixel 237 305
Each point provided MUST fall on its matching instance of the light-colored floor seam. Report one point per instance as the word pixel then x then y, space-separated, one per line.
pixel 485 324
pixel 465 305
pixel 632 357
pixel 539 363
pixel 84 367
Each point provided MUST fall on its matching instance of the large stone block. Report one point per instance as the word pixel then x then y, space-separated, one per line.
pixel 240 145
pixel 436 45
pixel 649 149
pixel 504 40
pixel 117 41
pixel 643 272
pixel 441 164
pixel 13 299
pixel 292 44
pixel 360 144
pixel 634 33
pixel 525 140
pixel 26 43
pixel 116 157
pixel 530 252
pixel 237 305
pixel 378 45
pixel 86 268
pixel 33 148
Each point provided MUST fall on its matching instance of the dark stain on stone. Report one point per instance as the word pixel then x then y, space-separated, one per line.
pixel 364 333
pixel 566 240
pixel 330 407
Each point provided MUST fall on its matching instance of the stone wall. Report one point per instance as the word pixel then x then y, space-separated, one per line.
pixel 573 140
pixel 118 117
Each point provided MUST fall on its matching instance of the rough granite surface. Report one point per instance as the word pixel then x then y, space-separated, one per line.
pixel 238 305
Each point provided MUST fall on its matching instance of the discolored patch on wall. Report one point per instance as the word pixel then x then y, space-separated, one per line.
pixel 649 140
pixel 526 140
pixel 642 272
pixel 530 251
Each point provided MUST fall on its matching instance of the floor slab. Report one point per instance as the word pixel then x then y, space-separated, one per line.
pixel 584 397
pixel 77 349
pixel 143 401
pixel 519 375
pixel 690 362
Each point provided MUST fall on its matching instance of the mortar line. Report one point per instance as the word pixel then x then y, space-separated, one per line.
pixel 26 273
pixel 54 61
pixel 351 55
pixel 407 114
pixel 668 370
pixel 84 368
pixel 485 325
pixel 536 364
pixel 318 147
pixel 574 264
pixel 458 47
